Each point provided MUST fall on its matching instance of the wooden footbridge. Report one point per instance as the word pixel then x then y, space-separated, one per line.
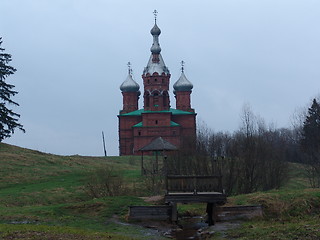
pixel 185 189
pixel 195 189
pixel 180 188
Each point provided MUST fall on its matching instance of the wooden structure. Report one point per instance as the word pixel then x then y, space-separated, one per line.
pixel 158 146
pixel 195 189
pixel 239 212
pixel 182 188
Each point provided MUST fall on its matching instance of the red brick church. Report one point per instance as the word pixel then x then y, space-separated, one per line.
pixel 139 127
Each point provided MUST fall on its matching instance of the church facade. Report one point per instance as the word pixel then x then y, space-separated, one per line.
pixel 139 127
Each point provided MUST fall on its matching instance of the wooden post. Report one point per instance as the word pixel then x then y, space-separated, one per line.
pixel 220 184
pixel 174 212
pixel 142 169
pixel 166 173
pixel 157 163
pixel 104 145
pixel 211 211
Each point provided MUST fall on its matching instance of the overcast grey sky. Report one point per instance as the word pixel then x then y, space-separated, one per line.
pixel 71 58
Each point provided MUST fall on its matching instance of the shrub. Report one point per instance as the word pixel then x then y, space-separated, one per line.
pixel 104 182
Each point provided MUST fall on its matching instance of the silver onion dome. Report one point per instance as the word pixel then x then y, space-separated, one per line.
pixel 183 84
pixel 129 85
pixel 155 31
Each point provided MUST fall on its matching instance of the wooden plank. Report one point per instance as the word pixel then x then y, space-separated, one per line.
pixel 196 183
pixel 217 198
pixel 239 212
pixel 192 176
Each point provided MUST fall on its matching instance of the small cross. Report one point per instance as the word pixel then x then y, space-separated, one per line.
pixel 129 68
pixel 155 13
pixel 182 65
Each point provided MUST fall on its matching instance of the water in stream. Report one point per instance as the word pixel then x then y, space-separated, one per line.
pixel 195 228
pixel 190 228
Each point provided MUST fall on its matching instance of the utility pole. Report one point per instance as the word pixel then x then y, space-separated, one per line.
pixel 104 145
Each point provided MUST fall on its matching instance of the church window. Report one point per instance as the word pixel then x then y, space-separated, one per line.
pixel 156 101
pixel 165 102
pixel 155 80
pixel 156 122
pixel 139 133
pixel 147 101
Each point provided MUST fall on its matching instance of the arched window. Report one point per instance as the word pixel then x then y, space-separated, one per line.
pixel 147 99
pixel 165 99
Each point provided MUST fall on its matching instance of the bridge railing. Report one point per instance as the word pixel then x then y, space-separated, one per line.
pixel 195 184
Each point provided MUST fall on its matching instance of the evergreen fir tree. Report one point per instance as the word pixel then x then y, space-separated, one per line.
pixel 311 129
pixel 8 118
pixel 311 143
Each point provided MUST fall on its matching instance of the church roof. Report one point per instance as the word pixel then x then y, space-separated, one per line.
pixel 156 67
pixel 158 144
pixel 129 85
pixel 171 110
pixel 183 84
pixel 172 124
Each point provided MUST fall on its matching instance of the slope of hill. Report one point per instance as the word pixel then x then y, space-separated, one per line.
pixel 46 189
pixel 45 196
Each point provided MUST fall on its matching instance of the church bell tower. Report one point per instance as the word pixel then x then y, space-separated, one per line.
pixel 156 76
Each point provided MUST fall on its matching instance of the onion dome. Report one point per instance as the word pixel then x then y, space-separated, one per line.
pixel 129 85
pixel 155 31
pixel 183 84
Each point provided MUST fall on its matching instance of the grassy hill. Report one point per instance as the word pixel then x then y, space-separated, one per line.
pixel 48 190
pixel 45 196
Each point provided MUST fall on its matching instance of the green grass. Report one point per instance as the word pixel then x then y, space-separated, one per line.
pixel 44 196
pixel 26 231
pixel 291 212
pixel 39 188
pixel 295 228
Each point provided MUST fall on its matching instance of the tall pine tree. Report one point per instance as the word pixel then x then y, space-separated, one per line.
pixel 311 129
pixel 8 118
pixel 311 143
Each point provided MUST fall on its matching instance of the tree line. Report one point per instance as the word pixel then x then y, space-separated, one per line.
pixel 255 157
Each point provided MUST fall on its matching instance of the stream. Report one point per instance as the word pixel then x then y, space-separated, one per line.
pixel 188 228
pixel 195 228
